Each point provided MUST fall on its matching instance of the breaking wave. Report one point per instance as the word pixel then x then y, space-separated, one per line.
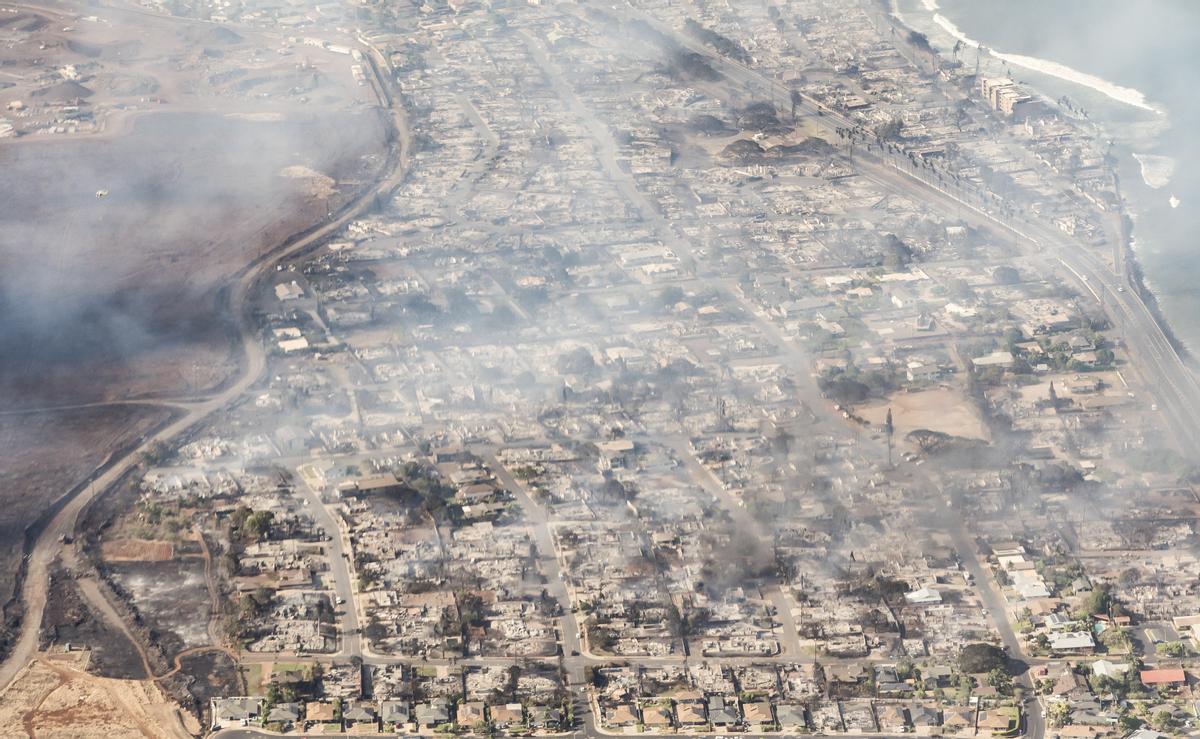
pixel 1126 95
pixel 1156 169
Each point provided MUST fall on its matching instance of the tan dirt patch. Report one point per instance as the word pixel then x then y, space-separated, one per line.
pixel 943 409
pixel 137 550
pixel 54 698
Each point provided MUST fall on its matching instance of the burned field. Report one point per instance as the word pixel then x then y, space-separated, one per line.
pixel 121 296
pixel 151 560
pixel 170 597
pixel 149 160
pixel 70 620
pixel 202 676
pixel 148 564
pixel 119 241
pixel 42 456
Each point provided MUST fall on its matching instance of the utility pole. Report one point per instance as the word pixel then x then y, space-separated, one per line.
pixel 888 429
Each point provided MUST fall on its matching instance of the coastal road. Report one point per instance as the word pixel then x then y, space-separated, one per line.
pixel 1162 368
pixel 1160 365
pixel 1108 284
pixel 48 544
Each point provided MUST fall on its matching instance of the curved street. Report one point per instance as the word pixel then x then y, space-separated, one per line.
pixel 49 542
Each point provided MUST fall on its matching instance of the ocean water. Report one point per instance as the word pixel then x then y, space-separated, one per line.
pixel 1132 66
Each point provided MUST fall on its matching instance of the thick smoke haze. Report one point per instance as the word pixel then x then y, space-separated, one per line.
pixel 188 200
pixel 752 346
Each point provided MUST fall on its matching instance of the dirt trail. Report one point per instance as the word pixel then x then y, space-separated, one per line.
pixel 214 595
pixel 91 590
pixel 90 587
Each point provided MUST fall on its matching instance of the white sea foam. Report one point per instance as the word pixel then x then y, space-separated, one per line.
pixel 1156 169
pixel 949 27
pixel 1126 95
pixel 930 5
pixel 1174 201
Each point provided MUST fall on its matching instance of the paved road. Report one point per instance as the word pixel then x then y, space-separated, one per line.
pixel 339 571
pixel 47 546
pixel 249 733
pixel 574 656
pixel 994 601
pixel 181 404
pixel 789 629
pixel 1153 357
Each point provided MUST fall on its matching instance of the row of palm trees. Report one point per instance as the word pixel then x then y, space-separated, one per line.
pixel 857 134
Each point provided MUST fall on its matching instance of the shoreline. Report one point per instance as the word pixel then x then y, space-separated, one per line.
pixel 1134 271
pixel 1137 279
pixel 1049 67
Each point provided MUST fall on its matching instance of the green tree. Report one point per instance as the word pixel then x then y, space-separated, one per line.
pixel 959 288
pixel 1005 275
pixel 962 695
pixel 1128 724
pixel 1098 601
pixel 157 453
pixel 889 130
pixel 1058 713
pixel 1164 721
pixel 258 524
pixel 999 679
pixel 671 295
pixel 920 40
